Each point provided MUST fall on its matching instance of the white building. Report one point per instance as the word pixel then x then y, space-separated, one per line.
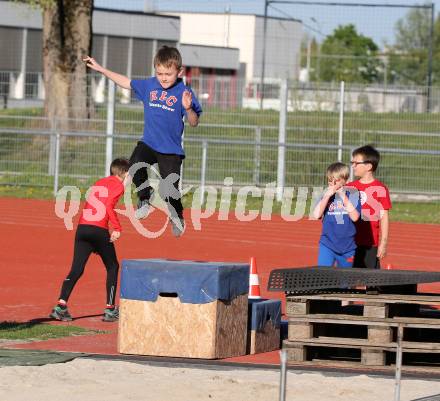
pixel 125 42
pixel 246 33
pixel 222 53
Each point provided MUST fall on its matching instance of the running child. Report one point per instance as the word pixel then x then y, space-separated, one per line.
pixel 92 235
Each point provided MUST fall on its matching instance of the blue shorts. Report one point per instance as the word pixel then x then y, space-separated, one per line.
pixel 327 257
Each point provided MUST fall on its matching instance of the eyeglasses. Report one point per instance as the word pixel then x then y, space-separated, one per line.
pixel 356 163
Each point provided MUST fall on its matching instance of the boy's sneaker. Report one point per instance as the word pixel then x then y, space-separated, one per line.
pixel 143 206
pixel 59 313
pixel 177 226
pixel 111 315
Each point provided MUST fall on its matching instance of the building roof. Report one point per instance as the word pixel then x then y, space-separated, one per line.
pixel 210 56
pixel 105 22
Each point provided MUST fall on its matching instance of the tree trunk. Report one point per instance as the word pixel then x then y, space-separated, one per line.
pixel 66 40
pixel 78 45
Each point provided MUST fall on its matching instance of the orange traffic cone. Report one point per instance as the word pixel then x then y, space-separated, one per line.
pixel 254 283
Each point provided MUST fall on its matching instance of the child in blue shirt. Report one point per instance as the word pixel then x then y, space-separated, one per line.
pixel 166 101
pixel 339 208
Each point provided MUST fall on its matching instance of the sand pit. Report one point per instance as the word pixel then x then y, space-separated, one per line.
pixel 91 380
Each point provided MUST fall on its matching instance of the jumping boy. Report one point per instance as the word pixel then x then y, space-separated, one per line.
pixel 92 235
pixel 339 208
pixel 166 101
pixel 372 228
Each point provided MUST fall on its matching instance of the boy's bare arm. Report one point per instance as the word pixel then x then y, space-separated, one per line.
pixel 384 228
pixel 191 115
pixel 118 79
pixel 193 118
pixel 319 209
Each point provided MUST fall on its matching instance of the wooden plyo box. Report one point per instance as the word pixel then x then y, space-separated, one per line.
pixel 169 325
pixel 264 323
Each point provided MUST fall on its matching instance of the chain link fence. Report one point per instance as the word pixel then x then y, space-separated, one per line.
pixel 288 138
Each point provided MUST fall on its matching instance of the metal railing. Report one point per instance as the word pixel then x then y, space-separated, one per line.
pixel 286 145
pixel 47 158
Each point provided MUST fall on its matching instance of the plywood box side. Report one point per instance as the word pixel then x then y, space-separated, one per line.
pixel 265 340
pixel 231 327
pixel 168 327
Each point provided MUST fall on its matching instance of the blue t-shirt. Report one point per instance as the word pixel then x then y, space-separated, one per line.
pixel 163 113
pixel 338 230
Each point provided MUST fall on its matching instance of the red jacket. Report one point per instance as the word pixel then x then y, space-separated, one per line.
pixel 101 201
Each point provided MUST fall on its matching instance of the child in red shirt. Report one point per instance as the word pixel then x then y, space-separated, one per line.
pixel 373 226
pixel 92 235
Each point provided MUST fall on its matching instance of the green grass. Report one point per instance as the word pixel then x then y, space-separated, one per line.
pixel 304 166
pixel 13 191
pixel 39 331
pixel 427 213
pixel 82 159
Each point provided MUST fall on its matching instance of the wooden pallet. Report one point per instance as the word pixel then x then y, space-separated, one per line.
pixel 369 326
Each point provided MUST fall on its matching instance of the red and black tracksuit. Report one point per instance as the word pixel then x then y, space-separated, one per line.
pixel 92 235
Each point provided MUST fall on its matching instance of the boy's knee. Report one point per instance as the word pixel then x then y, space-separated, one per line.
pixel 169 186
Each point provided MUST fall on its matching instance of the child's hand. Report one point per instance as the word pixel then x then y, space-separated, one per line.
pixel 115 236
pixel 329 192
pixel 91 63
pixel 381 250
pixel 187 99
pixel 331 189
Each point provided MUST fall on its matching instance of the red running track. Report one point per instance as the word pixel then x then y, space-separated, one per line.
pixel 36 251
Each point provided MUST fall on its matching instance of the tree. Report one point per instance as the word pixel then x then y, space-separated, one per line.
pixel 408 57
pixel 349 56
pixel 67 33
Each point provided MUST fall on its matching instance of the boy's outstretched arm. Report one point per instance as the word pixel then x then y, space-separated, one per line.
pixel 384 227
pixel 118 79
